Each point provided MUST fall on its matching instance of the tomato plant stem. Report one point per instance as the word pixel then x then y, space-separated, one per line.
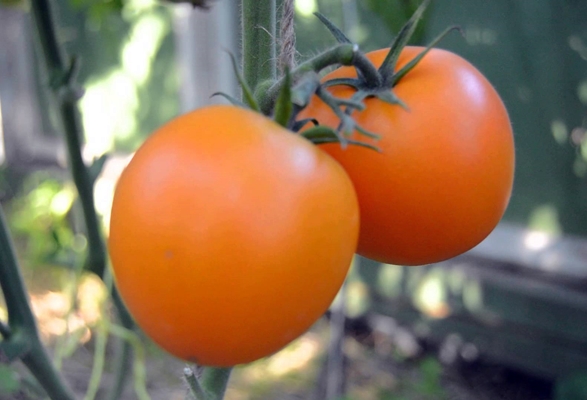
pixel 258 41
pixel 211 385
pixel 62 81
pixel 214 381
pixel 21 338
pixel 62 78
pixel 343 54
pixel 11 281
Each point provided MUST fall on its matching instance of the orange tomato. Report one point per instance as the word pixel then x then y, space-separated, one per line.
pixel 445 172
pixel 230 236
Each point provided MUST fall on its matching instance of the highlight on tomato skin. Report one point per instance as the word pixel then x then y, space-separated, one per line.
pixel 230 236
pixel 444 174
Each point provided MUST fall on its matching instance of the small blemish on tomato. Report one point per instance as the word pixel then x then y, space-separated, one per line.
pixel 168 254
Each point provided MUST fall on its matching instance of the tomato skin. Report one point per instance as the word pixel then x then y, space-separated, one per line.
pixel 230 236
pixel 444 176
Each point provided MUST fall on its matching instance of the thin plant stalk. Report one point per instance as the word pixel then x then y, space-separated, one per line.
pixel 22 340
pixel 62 74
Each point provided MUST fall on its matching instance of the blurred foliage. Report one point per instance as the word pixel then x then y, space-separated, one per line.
pixel 422 382
pixel 98 11
pixel 573 387
pixel 128 70
pixel 427 386
pixel 8 380
pixel 42 216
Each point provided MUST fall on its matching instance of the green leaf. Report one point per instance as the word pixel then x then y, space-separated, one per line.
pixel 572 387
pixel 9 382
pixel 387 68
pixel 284 106
pixel 297 125
pixel 248 96
pixel 97 166
pixel 233 100
pixel 395 13
pixel 367 133
pixel 391 98
pixel 305 88
pixel 322 134
pixel 337 33
pixel 409 66
pixel 352 82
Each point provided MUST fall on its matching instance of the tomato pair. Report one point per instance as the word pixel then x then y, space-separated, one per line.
pixel 230 236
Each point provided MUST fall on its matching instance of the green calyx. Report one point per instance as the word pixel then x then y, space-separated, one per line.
pixel 377 82
pixel 283 98
pixel 370 81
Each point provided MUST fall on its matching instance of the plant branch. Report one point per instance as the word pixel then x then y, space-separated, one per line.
pixel 139 369
pixel 211 385
pixel 343 54
pixel 12 284
pixel 62 77
pixel 4 330
pixel 23 333
pixel 196 389
pixel 62 80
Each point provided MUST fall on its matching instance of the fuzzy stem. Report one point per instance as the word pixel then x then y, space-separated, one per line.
pixel 211 385
pixel 23 331
pixel 215 380
pixel 196 389
pixel 343 54
pixel 287 36
pixel 258 38
pixel 366 69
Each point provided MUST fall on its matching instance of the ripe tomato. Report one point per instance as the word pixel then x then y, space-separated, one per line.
pixel 230 236
pixel 445 172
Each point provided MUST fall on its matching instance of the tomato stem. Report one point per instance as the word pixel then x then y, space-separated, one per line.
pixel 215 380
pixel 258 41
pixel 21 337
pixel 211 385
pixel 347 123
pixel 343 54
pixel 367 71
pixel 62 80
pixel 387 68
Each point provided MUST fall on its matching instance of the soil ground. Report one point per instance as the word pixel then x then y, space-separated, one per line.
pixel 376 366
